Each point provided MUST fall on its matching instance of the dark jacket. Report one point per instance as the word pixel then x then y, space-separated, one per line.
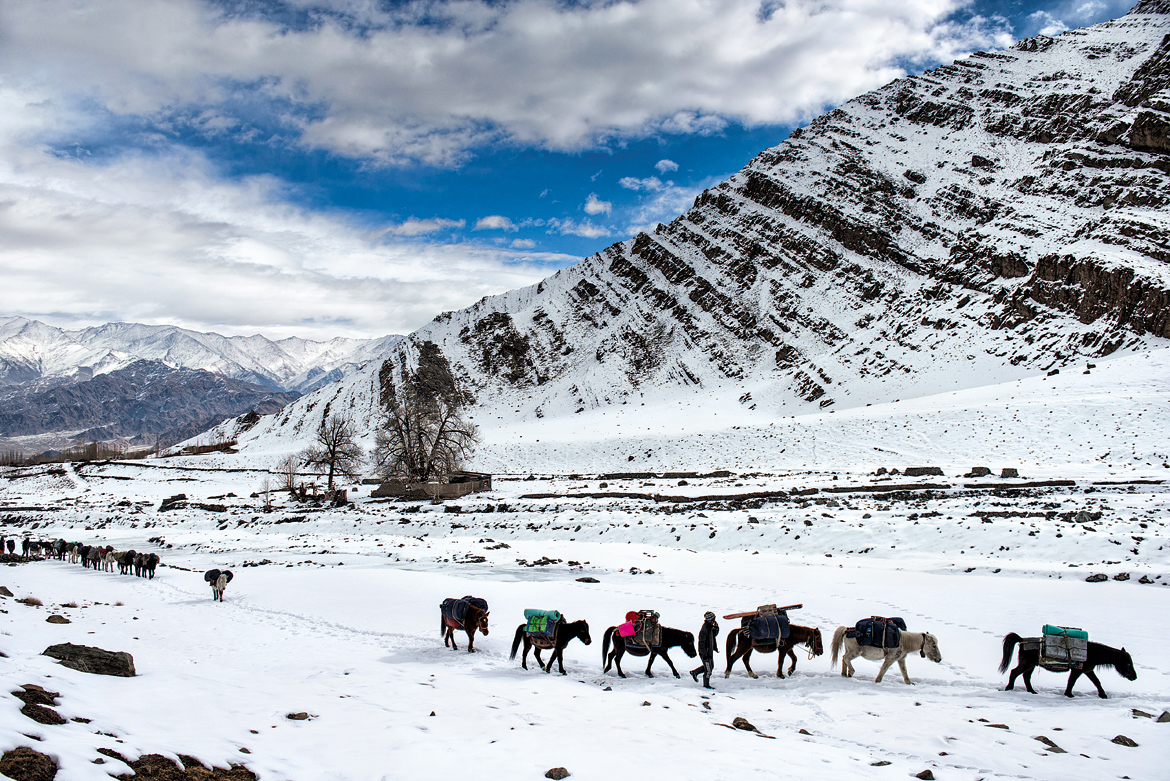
pixel 708 642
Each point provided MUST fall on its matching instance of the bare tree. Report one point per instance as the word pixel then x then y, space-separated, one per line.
pixel 336 451
pixel 288 467
pixel 424 435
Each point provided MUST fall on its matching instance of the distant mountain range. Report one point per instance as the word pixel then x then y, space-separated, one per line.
pixel 31 350
pixel 134 384
pixel 991 219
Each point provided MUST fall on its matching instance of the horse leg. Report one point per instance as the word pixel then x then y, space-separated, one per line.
pixel 649 663
pixel 1092 676
pixel 792 656
pixel 524 656
pixel 731 648
pixel 1011 684
pixel 905 676
pixel 619 652
pixel 747 660
pixel 667 658
pixel 1028 679
pixel 1072 679
pixel 560 660
pixel 780 654
pixel 470 639
pixel 886 662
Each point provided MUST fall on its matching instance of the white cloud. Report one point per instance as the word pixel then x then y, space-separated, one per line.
pixel 523 243
pixel 413 227
pixel 585 228
pixel 665 203
pixel 377 84
pixel 160 239
pixel 666 166
pixel 1049 25
pixel 495 222
pixel 650 184
pixel 595 206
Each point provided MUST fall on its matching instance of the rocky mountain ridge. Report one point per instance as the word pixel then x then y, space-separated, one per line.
pixel 999 217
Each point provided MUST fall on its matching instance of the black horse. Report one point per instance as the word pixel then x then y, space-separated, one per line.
pixel 561 637
pixel 671 638
pixel 1098 656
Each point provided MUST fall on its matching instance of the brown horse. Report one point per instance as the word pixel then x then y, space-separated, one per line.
pixel 476 618
pixel 563 634
pixel 741 645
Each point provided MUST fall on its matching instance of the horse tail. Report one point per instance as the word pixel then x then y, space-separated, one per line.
pixel 838 638
pixel 1009 645
pixel 605 644
pixel 730 644
pixel 516 641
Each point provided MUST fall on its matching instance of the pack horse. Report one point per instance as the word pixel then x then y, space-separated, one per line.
pixel 882 640
pixel 218 580
pixel 767 629
pixel 643 635
pixel 1062 649
pixel 547 629
pixel 468 614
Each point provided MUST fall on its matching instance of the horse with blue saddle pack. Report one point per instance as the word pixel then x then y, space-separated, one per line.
pixel 469 614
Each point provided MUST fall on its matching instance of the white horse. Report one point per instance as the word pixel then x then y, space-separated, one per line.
pixel 108 561
pixel 922 642
pixel 74 554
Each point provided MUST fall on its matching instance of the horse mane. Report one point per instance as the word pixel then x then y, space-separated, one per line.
pixel 1107 656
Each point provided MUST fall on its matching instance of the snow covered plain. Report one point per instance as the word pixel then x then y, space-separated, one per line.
pixel 340 617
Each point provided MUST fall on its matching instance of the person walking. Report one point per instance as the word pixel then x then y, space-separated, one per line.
pixel 708 647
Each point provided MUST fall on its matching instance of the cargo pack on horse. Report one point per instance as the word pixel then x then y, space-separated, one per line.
pixel 546 629
pixel 885 649
pixel 644 637
pixel 469 614
pixel 767 629
pixel 1033 654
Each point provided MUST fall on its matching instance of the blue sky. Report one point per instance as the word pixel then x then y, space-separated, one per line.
pixel 354 167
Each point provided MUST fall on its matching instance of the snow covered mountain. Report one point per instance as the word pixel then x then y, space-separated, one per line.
pixel 986 221
pixel 30 350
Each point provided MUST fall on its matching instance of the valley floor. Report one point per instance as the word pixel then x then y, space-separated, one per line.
pixel 339 620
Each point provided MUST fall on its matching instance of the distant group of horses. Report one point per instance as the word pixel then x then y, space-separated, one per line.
pixel 739 645
pixel 103 557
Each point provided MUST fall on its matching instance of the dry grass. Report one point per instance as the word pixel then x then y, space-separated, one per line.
pixel 69 604
pixel 117 604
pixel 31 602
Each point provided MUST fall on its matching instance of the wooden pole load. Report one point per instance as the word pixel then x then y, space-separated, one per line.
pixel 753 612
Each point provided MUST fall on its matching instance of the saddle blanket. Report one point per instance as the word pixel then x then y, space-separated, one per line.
pixel 768 628
pixel 542 624
pixel 878 632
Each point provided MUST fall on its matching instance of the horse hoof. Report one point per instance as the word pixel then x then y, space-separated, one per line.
pixel 726 675
pixel 753 675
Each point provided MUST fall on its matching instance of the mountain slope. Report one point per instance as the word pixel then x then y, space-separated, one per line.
pixel 145 398
pixel 983 222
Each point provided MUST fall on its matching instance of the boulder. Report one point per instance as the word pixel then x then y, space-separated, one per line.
pixel 978 471
pixel 88 659
pixel 1009 471
pixel 1098 578
pixel 557 773
pixel 57 619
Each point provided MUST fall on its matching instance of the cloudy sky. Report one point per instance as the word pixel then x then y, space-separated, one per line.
pixel 355 167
